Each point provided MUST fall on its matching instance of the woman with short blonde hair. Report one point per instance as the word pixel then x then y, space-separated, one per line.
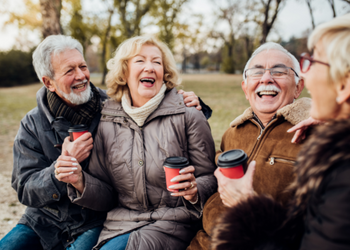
pixel 118 67
pixel 145 122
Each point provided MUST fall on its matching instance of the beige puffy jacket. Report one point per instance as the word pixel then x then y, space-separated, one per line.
pixel 126 174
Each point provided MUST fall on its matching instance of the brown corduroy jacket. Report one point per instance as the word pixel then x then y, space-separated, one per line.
pixel 273 152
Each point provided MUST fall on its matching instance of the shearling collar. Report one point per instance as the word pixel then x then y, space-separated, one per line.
pixel 294 112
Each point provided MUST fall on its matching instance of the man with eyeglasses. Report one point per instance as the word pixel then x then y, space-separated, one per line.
pixel 271 84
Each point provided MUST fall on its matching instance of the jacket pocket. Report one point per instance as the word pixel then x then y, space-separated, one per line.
pixel 273 160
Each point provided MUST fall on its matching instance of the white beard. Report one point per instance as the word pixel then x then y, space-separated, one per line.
pixel 77 99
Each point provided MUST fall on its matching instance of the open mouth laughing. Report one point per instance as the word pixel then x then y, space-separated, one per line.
pixel 80 86
pixel 147 81
pixel 269 90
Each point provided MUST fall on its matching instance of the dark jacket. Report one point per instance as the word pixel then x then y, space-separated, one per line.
pixel 50 213
pixel 319 214
pixel 126 174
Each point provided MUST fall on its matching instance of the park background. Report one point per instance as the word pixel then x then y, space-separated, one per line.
pixel 211 41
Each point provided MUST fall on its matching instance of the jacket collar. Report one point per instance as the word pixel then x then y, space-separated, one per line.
pixel 293 113
pixel 171 104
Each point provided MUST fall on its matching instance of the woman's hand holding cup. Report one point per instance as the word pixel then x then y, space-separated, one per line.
pixel 68 170
pixel 180 179
pixel 186 184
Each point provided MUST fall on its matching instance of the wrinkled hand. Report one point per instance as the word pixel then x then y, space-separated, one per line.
pixel 80 149
pixel 186 177
pixel 301 129
pixel 68 170
pixel 190 99
pixel 233 190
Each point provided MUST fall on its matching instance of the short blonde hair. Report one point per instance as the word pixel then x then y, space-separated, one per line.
pixel 118 65
pixel 335 35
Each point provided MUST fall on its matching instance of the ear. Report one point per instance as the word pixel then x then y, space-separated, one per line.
pixel 343 90
pixel 48 82
pixel 244 87
pixel 299 88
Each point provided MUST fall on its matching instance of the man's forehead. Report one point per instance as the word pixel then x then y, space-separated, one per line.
pixel 271 59
pixel 66 58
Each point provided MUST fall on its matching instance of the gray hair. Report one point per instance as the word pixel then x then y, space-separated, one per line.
pixel 274 46
pixel 52 45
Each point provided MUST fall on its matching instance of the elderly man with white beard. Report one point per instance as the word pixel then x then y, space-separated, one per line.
pixel 271 84
pixel 68 98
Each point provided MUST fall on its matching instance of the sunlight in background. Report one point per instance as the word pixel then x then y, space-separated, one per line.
pixel 293 20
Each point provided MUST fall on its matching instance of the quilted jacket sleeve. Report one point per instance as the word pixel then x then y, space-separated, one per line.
pixel 98 194
pixel 201 151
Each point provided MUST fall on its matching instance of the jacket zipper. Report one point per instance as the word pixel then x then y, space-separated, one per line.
pixel 275 159
pixel 252 155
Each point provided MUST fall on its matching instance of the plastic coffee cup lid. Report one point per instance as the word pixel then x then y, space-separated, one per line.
pixel 176 162
pixel 78 128
pixel 232 158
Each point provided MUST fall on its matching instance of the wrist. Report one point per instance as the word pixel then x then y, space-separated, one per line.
pixel 79 184
pixel 194 200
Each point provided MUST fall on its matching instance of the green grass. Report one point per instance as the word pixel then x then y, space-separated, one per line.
pixel 15 102
pixel 221 92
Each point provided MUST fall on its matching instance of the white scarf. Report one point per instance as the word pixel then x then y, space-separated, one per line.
pixel 139 115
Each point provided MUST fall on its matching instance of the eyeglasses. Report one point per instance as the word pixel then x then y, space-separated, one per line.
pixel 275 72
pixel 306 61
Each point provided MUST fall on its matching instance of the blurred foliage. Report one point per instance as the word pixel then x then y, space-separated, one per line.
pixel 16 68
pixel 165 13
pixel 237 29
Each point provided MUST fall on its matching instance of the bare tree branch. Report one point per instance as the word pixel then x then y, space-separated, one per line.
pixel 331 2
pixel 308 2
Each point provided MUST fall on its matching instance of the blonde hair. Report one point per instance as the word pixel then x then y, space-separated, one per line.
pixel 118 65
pixel 335 35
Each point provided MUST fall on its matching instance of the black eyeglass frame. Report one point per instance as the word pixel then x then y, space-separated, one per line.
pixel 305 56
pixel 245 72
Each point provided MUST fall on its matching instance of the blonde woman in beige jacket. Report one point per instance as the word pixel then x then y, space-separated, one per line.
pixel 145 122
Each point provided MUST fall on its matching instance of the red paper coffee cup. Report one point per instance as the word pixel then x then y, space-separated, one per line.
pixel 172 167
pixel 232 163
pixel 76 131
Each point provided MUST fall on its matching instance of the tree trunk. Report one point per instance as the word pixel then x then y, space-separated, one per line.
pixel 51 14
pixel 311 14
pixel 104 47
pixel 184 60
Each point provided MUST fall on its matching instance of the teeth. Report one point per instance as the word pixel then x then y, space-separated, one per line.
pixel 267 93
pixel 79 86
pixel 147 80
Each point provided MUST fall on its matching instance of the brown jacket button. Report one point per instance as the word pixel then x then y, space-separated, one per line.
pixel 55 196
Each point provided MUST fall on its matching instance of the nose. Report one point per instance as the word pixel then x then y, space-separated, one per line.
pixel 149 67
pixel 266 78
pixel 79 74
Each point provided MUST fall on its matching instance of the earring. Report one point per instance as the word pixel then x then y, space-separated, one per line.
pixel 337 99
